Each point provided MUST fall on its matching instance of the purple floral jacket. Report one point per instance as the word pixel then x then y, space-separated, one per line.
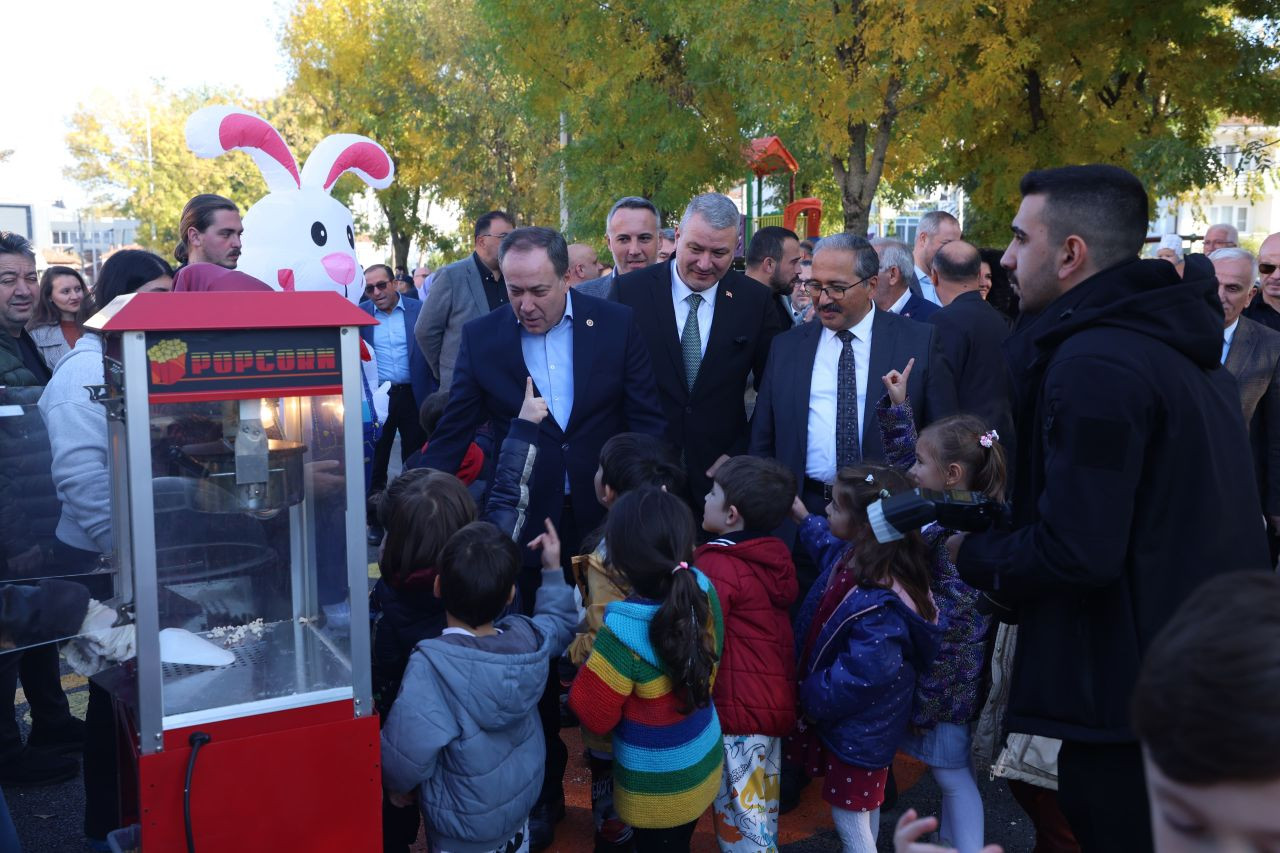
pixel 949 690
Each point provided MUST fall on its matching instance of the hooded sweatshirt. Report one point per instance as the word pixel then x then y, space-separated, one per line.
pixel 464 731
pixel 756 581
pixel 1134 485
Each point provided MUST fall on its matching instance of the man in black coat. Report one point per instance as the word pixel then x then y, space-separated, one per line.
pixel 708 328
pixel 971 333
pixel 1134 480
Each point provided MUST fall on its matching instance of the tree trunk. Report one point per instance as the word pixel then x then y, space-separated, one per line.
pixel 858 172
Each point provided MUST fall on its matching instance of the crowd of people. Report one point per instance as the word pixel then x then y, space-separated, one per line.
pixel 649 500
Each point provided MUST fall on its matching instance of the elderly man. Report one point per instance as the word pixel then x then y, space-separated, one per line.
pixel 461 292
pixel 588 361
pixel 896 285
pixel 708 328
pixel 1265 306
pixel 1221 236
pixel 1251 352
pixel 816 412
pixel 632 229
pixel 668 247
pixel 773 259
pixel 1133 484
pixel 29 510
pixel 936 229
pixel 583 264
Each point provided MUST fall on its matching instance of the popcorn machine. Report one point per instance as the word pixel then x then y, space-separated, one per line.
pixel 246 721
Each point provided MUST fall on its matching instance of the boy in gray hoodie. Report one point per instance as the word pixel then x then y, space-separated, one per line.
pixel 464 732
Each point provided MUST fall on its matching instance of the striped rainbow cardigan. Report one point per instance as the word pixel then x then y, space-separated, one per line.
pixel 666 764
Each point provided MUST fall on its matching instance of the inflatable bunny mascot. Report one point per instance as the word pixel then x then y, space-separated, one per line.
pixel 298 237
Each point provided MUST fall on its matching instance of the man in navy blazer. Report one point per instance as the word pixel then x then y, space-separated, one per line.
pixel 795 419
pixel 586 358
pixel 401 363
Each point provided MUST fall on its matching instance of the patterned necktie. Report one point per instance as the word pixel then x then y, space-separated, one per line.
pixel 691 340
pixel 847 450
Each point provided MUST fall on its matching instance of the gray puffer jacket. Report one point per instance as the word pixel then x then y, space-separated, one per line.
pixel 464 731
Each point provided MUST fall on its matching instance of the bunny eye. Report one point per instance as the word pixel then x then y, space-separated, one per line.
pixel 351 237
pixel 318 235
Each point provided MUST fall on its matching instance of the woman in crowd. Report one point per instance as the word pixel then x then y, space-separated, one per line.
pixel 996 288
pixel 58 319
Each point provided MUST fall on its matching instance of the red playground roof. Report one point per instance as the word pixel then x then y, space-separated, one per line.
pixel 767 155
pixel 175 312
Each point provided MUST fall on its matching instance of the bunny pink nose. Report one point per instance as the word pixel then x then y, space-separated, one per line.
pixel 340 267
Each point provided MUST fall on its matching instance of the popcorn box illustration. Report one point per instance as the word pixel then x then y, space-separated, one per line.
pixel 168 360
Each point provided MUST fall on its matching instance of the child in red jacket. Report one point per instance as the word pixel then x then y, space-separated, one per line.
pixel 755 692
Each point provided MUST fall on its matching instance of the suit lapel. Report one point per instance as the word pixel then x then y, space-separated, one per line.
pixel 802 380
pixel 660 293
pixel 476 286
pixel 584 349
pixel 410 320
pixel 724 320
pixel 1240 355
pixel 884 343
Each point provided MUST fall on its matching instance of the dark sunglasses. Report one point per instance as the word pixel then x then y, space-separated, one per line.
pixel 380 285
pixel 1266 269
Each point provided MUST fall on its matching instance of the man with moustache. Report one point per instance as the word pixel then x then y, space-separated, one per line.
pixel 816 412
pixel 632 230
pixel 773 259
pixel 708 328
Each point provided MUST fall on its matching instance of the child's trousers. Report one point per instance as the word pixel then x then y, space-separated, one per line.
pixel 746 806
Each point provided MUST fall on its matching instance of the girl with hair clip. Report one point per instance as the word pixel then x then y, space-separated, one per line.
pixel 867 628
pixel 958 452
pixel 649 677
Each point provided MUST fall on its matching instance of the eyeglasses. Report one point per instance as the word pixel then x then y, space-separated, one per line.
pixel 380 285
pixel 495 236
pixel 835 291
pixel 1266 269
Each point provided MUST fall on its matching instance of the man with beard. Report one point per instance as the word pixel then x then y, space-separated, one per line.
pixel 773 259
pixel 1133 483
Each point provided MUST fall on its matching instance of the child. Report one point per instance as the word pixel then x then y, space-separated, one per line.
pixel 420 511
pixel 865 630
pixel 474 461
pixel 755 694
pixel 957 452
pixel 464 733
pixel 648 680
pixel 1205 708
pixel 628 461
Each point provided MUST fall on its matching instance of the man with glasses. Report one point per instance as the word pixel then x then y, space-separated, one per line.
pixel 816 411
pixel 1221 236
pixel 1265 307
pixel 401 363
pixel 461 292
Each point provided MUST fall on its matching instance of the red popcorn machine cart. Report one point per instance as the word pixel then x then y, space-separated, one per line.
pixel 236 447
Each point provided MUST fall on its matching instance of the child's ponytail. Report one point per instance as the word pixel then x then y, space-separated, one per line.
pixel 967 441
pixel 649 535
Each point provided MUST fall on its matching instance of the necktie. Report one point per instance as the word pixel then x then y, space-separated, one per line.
pixel 847 451
pixel 691 340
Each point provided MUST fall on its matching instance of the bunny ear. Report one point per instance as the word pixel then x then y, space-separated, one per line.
pixel 348 152
pixel 212 131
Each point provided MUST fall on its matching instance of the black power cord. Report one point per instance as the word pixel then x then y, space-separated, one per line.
pixel 197 740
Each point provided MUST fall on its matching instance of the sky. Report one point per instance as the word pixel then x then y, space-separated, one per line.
pixel 58 56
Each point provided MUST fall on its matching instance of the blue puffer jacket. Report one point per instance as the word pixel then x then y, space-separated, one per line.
pixel 465 733
pixel 858 682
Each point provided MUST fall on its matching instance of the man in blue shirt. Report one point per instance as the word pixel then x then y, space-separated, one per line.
pixel 400 363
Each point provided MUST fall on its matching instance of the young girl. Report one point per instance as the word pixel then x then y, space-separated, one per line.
pixel 628 461
pixel 420 511
pixel 866 629
pixel 958 452
pixel 649 677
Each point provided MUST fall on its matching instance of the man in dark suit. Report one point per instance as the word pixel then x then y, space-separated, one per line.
pixel 461 292
pixel 972 334
pixel 708 329
pixel 773 259
pixel 588 361
pixel 400 363
pixel 632 229
pixel 1251 352
pixel 814 368
pixel 897 289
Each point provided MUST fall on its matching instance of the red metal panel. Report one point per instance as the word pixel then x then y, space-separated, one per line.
pixel 307 779
pixel 158 312
pixel 206 396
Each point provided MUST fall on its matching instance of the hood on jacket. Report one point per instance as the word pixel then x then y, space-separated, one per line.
pixel 769 559
pixel 629 620
pixel 496 688
pixel 1147 297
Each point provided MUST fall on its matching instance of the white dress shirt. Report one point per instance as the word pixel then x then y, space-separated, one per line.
pixel 679 293
pixel 896 308
pixel 927 290
pixel 1228 336
pixel 820 457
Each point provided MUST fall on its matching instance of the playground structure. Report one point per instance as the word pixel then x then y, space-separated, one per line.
pixel 766 156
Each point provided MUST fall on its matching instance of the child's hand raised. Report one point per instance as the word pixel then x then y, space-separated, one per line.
pixel 534 409
pixel 549 544
pixel 896 383
pixel 910 827
pixel 799 512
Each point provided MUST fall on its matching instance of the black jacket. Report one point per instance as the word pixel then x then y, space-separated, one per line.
pixel 1135 484
pixel 971 333
pixel 711 419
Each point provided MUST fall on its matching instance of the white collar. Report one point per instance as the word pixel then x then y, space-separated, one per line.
pixel 1229 334
pixel 681 291
pixel 861 330
pixel 896 308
